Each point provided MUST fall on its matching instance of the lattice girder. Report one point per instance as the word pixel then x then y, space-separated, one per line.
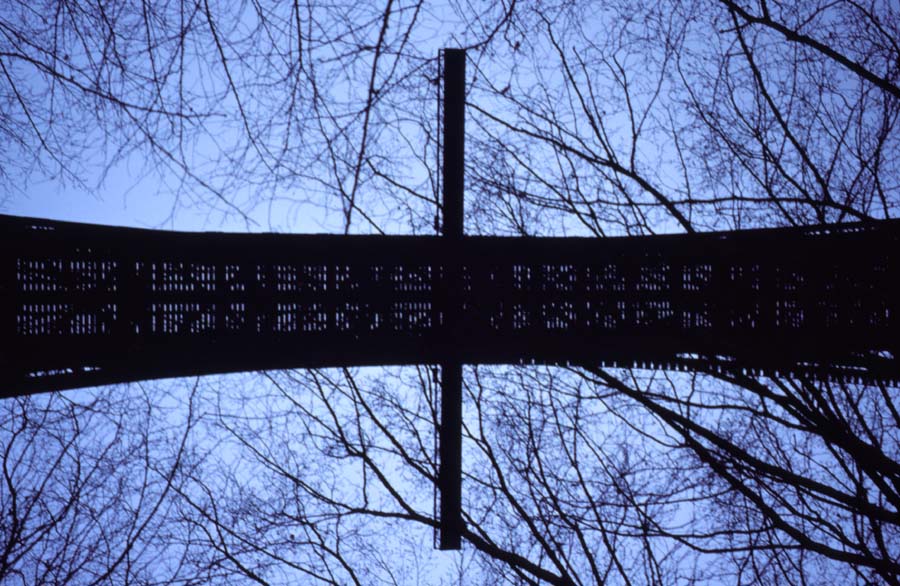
pixel 85 305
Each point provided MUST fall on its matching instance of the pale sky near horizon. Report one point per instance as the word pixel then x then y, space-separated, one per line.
pixel 130 196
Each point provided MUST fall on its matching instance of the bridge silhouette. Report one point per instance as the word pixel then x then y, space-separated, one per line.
pixel 85 305
pixel 88 305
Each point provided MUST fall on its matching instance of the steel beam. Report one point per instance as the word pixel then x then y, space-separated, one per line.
pixel 450 435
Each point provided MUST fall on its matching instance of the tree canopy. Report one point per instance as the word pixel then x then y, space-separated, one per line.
pixel 583 118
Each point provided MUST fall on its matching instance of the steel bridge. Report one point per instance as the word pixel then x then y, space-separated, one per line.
pixel 88 305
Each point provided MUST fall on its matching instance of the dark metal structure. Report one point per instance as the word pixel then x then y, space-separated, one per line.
pixel 84 305
pixel 87 305
pixel 450 300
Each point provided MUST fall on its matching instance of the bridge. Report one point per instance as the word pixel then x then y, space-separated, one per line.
pixel 86 305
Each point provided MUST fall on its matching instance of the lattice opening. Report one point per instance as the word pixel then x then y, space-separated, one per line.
pixel 656 313
pixel 559 315
pixel 414 278
pixel 234 278
pixel 235 317
pixel 697 317
pixel 346 278
pixel 522 277
pixel 414 316
pixel 350 317
pixel 178 276
pixel 747 317
pixel 559 278
pixel 602 315
pixel 66 275
pixel 654 278
pixel 605 278
pixel 287 278
pixel 696 277
pixel 287 317
pixel 313 317
pixel 788 314
pixel 182 318
pixel 314 278
pixel 64 319
pixel 790 280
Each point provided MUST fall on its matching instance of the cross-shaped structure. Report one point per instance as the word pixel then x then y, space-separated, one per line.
pixel 87 305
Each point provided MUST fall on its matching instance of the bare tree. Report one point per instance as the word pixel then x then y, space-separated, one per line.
pixel 87 484
pixel 584 118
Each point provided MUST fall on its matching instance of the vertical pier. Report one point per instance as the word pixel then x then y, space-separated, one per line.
pixel 450 435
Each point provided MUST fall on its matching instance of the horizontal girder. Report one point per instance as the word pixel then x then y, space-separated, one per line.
pixel 85 305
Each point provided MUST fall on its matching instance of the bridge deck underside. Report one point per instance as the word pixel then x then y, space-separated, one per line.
pixel 85 305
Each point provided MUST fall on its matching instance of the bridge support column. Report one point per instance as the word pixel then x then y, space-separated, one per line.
pixel 450 434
